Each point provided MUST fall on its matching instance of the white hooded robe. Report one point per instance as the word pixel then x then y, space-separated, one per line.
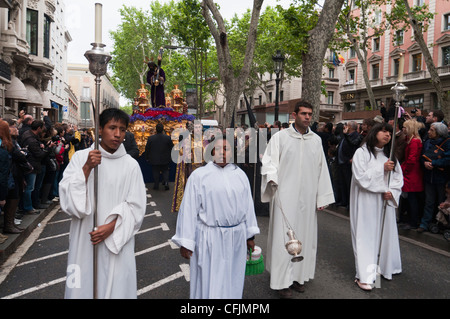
pixel 369 181
pixel 215 219
pixel 296 163
pixel 121 194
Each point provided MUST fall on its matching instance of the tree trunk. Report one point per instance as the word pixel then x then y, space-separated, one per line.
pixel 234 86
pixel 318 41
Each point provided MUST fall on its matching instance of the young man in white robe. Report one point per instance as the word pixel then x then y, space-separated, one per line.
pixel 216 225
pixel 370 190
pixel 295 176
pixel 121 208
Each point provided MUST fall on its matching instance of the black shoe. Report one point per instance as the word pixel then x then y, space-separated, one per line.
pixel 297 287
pixel 285 293
pixel 32 212
pixel 166 187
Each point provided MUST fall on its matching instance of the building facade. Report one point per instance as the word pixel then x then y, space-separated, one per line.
pixel 25 53
pixel 59 92
pixel 82 83
pixel 383 66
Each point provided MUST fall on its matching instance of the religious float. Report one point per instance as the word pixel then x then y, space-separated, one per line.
pixel 144 118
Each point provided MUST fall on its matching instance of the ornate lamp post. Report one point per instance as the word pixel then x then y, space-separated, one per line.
pixel 278 60
pixel 98 64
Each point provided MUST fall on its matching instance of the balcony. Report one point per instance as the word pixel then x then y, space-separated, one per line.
pixel 331 107
pixel 414 75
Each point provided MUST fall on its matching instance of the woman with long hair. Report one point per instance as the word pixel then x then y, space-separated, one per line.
pixel 8 184
pixel 412 172
pixel 375 190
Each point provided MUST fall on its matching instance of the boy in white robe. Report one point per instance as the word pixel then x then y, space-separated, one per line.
pixel 295 175
pixel 215 227
pixel 369 190
pixel 121 208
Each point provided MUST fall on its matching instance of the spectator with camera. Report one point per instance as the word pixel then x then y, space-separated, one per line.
pixel 36 154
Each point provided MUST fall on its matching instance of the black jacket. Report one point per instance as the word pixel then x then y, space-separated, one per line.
pixel 35 153
pixel 158 149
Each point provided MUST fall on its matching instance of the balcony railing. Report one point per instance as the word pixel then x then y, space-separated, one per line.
pixel 331 107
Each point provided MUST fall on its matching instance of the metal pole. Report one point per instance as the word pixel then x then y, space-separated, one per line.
pixel 98 61
pixel 277 96
pixel 399 90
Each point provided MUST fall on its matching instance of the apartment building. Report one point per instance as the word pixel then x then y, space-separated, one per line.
pixel 263 101
pixel 82 83
pixel 383 66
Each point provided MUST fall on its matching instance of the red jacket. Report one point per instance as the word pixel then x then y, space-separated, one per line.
pixel 412 170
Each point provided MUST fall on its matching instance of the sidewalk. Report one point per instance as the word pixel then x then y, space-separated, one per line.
pixel 30 222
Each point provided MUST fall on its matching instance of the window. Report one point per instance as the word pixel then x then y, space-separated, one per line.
pixel 446 56
pixel 376 45
pixel 270 97
pixel 399 37
pixel 350 107
pixel 375 71
pixel 419 2
pixel 352 52
pixel 331 73
pixel 281 96
pixel 32 31
pixel 47 24
pixel 396 66
pixel 447 21
pixel 351 76
pixel 330 97
pixel 417 62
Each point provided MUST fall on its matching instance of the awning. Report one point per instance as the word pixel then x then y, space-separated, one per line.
pixel 46 100
pixel 34 97
pixel 55 105
pixel 16 90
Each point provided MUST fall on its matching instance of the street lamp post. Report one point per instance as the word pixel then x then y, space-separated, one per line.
pixel 98 64
pixel 278 60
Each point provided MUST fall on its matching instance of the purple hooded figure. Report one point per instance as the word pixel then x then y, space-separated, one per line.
pixel 157 95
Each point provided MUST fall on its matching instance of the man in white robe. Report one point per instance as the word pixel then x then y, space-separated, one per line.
pixel 369 183
pixel 215 227
pixel 294 175
pixel 121 208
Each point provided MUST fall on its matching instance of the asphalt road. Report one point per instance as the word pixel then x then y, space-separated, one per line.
pixel 37 270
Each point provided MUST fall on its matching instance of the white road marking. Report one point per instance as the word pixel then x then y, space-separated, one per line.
pixel 14 259
pixel 183 273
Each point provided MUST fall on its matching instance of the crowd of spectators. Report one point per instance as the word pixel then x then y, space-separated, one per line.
pixel 33 156
pixel 422 146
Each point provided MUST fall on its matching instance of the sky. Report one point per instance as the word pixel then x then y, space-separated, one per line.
pixel 80 20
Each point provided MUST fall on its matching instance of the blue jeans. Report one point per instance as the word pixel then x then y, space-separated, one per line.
pixel 434 195
pixel 30 179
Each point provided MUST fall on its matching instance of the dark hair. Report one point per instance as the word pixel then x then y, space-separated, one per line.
pixel 113 114
pixel 439 115
pixel 159 128
pixel 36 124
pixel 302 103
pixel 329 127
pixel 371 139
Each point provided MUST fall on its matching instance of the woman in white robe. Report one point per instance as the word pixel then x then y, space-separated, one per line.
pixel 215 221
pixel 370 189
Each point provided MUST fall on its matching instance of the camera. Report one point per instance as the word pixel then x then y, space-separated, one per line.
pixel 56 138
pixel 413 111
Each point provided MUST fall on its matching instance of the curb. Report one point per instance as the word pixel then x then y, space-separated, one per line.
pixel 29 223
